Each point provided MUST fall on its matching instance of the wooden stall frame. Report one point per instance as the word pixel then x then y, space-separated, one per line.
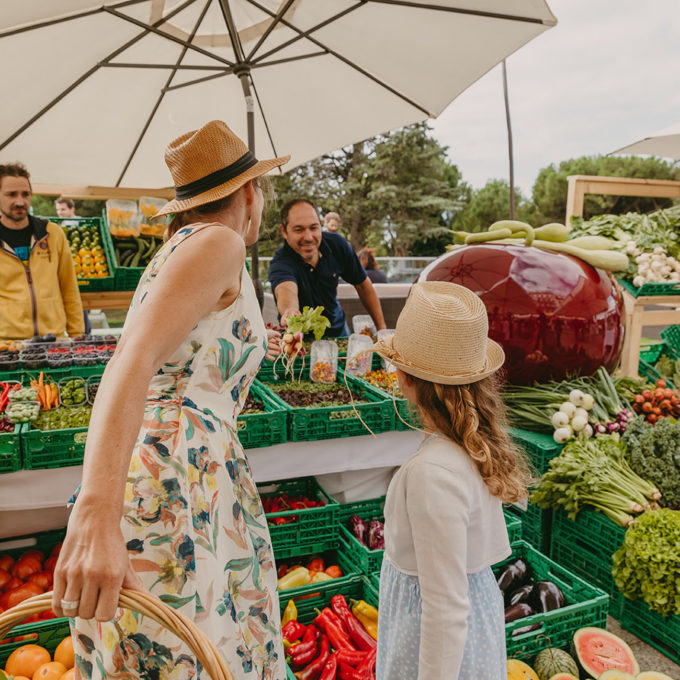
pixel 636 316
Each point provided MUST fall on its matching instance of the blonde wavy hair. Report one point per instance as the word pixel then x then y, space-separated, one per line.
pixel 473 416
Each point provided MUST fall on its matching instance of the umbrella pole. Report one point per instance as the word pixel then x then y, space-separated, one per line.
pixel 510 156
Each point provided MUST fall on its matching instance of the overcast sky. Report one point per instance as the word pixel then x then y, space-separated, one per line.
pixel 607 75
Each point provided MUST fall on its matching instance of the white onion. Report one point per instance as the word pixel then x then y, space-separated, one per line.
pixel 560 419
pixel 581 413
pixel 588 430
pixel 588 401
pixel 562 435
pixel 578 423
pixel 576 397
pixel 568 408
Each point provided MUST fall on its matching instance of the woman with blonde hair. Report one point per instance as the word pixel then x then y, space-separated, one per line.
pixel 168 502
pixel 441 612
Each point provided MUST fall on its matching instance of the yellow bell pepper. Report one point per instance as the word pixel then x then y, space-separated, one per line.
pixel 289 613
pixel 295 578
pixel 321 576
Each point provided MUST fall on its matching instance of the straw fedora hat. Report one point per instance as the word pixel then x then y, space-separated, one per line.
pixel 441 336
pixel 209 164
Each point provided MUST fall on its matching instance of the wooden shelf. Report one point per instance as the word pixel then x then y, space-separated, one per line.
pixel 107 300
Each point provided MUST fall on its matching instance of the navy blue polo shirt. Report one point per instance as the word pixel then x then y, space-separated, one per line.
pixel 319 285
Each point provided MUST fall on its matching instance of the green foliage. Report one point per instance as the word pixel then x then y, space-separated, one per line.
pixel 550 188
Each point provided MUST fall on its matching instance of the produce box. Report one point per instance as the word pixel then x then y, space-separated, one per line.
pixel 671 336
pixel 368 561
pixel 536 525
pixel 541 448
pixel 355 588
pixel 650 352
pixel 513 524
pixel 266 428
pixel 97 283
pixel 670 288
pixel 47 634
pixel 402 406
pixel 661 632
pixel 586 546
pixel 48 449
pixel 586 606
pixel 24 375
pixel 299 531
pixel 10 450
pixel 331 422
pixel 44 541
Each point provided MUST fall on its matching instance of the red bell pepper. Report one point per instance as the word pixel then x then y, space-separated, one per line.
pixel 293 631
pixel 313 670
pixel 357 633
pixel 330 670
pixel 316 564
pixel 338 638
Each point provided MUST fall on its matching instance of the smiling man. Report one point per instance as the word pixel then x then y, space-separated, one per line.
pixel 305 271
pixel 38 286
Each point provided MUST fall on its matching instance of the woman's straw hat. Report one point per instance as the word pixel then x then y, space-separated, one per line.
pixel 209 164
pixel 441 336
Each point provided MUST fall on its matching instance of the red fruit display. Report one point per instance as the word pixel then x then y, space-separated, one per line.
pixel 553 314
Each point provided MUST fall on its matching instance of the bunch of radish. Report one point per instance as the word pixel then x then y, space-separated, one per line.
pixel 292 347
pixel 572 417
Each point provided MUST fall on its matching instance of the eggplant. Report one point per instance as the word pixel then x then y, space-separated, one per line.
pixel 519 595
pixel 545 596
pixel 376 535
pixel 518 611
pixel 514 575
pixel 358 528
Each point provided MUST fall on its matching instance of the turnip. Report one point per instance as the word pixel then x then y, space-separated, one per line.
pixel 576 397
pixel 560 419
pixel 563 435
pixel 568 408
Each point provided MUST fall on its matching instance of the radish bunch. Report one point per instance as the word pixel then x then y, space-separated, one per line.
pixel 572 417
pixel 292 347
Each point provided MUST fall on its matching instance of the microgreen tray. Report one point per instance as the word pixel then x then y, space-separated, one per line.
pixel 266 428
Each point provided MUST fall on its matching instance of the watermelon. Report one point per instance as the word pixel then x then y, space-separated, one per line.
pixel 550 662
pixel 598 650
pixel 614 674
pixel 518 670
pixel 653 675
pixel 564 676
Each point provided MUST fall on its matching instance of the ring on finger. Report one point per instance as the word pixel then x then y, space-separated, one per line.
pixel 69 604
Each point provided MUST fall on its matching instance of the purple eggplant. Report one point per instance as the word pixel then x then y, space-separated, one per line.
pixel 513 575
pixel 358 528
pixel 520 594
pixel 546 596
pixel 518 611
pixel 376 535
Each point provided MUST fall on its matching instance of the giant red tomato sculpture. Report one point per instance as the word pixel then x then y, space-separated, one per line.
pixel 553 314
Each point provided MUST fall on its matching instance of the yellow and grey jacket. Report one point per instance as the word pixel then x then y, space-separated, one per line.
pixel 40 296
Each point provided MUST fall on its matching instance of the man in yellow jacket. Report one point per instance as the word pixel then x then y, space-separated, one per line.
pixel 38 286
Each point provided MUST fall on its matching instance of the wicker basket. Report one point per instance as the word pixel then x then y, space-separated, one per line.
pixel 147 605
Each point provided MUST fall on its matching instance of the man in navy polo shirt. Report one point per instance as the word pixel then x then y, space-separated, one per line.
pixel 305 271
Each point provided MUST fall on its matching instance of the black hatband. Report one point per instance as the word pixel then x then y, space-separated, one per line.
pixel 214 179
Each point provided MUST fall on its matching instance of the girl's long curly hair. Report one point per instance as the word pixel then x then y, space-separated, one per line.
pixel 473 416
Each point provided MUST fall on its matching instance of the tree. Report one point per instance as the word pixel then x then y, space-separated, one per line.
pixel 550 188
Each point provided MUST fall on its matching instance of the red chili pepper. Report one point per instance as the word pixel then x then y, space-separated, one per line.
pixel 367 668
pixel 331 668
pixel 339 639
pixel 351 657
pixel 329 614
pixel 357 633
pixel 346 672
pixel 302 654
pixel 293 631
pixel 313 670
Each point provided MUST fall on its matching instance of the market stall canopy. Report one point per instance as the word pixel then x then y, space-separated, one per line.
pixel 664 143
pixel 100 88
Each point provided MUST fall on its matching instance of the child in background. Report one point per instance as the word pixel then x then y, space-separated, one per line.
pixel 441 612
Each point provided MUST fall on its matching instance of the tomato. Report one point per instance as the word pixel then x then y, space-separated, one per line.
pixel 12 597
pixel 14 583
pixel 5 578
pixel 25 567
pixel 47 614
pixel 43 578
pixel 51 563
pixel 38 554
pixel 6 562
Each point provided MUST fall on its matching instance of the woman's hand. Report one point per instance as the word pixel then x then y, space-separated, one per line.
pixel 93 566
pixel 273 344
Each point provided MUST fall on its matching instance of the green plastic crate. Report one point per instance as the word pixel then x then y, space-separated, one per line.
pixel 536 525
pixel 25 375
pixel 105 282
pixel 651 352
pixel 586 605
pixel 262 429
pixel 48 449
pixel 367 560
pixel 650 288
pixel 313 529
pixel 541 448
pixel 47 634
pixel 513 524
pixel 671 338
pixel 331 422
pixel 661 632
pixel 648 371
pixel 586 547
pixel 356 588
pixel 44 541
pixel 10 450
pixel 403 408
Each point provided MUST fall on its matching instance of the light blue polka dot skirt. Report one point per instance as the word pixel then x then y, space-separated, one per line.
pixel 484 657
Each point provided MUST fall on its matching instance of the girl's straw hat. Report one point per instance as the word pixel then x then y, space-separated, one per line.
pixel 209 164
pixel 441 336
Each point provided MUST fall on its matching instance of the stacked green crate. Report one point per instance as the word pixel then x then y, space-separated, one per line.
pixel 266 428
pixel 10 450
pixel 661 632
pixel 368 561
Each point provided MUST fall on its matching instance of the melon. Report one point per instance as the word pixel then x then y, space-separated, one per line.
pixel 652 675
pixel 518 670
pixel 614 674
pixel 564 676
pixel 598 650
pixel 550 662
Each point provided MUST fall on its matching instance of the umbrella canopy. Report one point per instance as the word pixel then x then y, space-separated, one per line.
pixel 664 143
pixel 97 89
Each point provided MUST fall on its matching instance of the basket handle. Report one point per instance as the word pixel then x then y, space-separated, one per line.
pixel 147 605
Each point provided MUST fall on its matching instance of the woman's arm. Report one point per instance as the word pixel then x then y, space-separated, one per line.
pixel 201 273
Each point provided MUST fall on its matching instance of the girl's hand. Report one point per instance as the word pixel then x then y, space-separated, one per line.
pixel 273 344
pixel 92 568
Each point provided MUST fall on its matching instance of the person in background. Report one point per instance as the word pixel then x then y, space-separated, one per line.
pixel 441 611
pixel 306 269
pixel 368 262
pixel 331 222
pixel 38 286
pixel 66 207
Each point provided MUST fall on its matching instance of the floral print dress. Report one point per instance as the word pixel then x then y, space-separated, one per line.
pixel 193 521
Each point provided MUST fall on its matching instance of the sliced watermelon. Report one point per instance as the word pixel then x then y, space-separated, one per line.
pixel 598 650
pixel 550 662
pixel 564 676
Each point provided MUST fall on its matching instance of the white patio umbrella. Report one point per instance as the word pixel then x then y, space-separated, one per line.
pixel 664 143
pixel 97 88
